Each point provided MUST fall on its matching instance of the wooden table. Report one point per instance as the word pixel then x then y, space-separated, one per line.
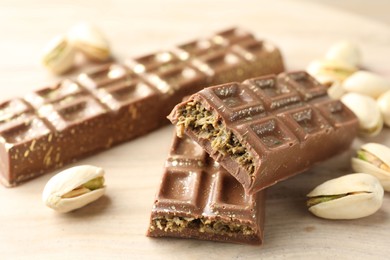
pixel 115 226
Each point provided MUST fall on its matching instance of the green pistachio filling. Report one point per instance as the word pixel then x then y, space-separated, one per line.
pixel 178 224
pixel 205 125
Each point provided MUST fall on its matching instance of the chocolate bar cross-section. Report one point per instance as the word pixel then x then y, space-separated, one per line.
pixel 267 129
pixel 199 199
pixel 51 127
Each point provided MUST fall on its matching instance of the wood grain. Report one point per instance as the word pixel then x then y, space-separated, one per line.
pixel 114 226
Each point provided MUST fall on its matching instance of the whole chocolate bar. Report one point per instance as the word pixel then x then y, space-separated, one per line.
pixel 199 199
pixel 51 127
pixel 267 129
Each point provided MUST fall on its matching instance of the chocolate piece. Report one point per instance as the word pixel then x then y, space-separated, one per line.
pixel 53 126
pixel 267 129
pixel 199 199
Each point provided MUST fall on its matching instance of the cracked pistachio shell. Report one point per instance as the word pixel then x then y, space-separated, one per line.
pixel 366 83
pixel 58 55
pixel 90 40
pixel 329 71
pixel 381 152
pixel 362 196
pixel 367 111
pixel 68 180
pixel 384 105
pixel 345 51
pixel 336 91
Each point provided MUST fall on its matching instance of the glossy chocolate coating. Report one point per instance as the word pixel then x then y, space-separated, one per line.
pixel 56 125
pixel 195 188
pixel 286 123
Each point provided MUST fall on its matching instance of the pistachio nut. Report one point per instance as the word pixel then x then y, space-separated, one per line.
pixel 384 106
pixel 74 188
pixel 374 159
pixel 348 197
pixel 367 111
pixel 58 56
pixel 345 51
pixel 89 40
pixel 329 71
pixel 336 91
pixel 366 83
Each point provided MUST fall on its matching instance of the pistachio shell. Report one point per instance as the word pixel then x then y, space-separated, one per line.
pixel 383 153
pixel 384 105
pixel 90 40
pixel 69 204
pixel 363 197
pixel 68 180
pixel 366 83
pixel 329 71
pixel 345 51
pixel 58 56
pixel 326 79
pixel 379 150
pixel 367 111
pixel 336 91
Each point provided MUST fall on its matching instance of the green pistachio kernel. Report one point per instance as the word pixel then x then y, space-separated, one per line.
pixel 94 184
pixel 320 199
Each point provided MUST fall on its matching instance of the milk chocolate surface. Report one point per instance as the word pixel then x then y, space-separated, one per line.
pixel 51 127
pixel 199 199
pixel 266 129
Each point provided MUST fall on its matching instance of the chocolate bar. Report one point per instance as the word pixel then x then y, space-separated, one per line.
pixel 56 125
pixel 199 199
pixel 267 129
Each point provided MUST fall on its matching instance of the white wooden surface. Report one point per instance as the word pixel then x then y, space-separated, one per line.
pixel 114 226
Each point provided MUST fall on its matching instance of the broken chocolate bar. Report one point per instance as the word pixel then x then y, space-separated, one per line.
pixel 199 199
pixel 267 129
pixel 51 127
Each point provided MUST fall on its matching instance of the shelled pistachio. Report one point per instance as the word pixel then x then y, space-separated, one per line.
pixel 374 159
pixel 74 188
pixel 366 83
pixel 89 40
pixel 348 197
pixel 367 112
pixel 328 72
pixel 346 51
pixel 384 106
pixel 336 90
pixel 58 55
